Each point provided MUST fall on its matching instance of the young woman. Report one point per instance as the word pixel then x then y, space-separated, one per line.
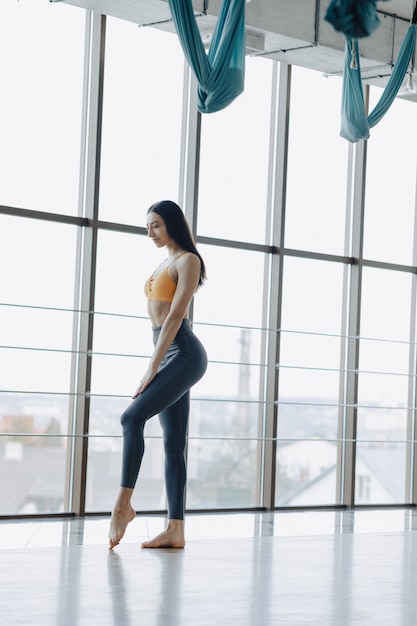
pixel 177 363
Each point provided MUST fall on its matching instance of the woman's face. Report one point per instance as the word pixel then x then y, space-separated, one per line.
pixel 157 230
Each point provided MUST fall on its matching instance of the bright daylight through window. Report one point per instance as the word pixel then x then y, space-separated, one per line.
pixel 309 310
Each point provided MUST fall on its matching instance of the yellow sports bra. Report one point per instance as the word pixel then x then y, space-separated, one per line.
pixel 161 287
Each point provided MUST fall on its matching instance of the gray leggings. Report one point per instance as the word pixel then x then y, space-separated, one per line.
pixel 168 395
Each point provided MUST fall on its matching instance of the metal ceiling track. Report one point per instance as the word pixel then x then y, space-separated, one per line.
pixel 291 31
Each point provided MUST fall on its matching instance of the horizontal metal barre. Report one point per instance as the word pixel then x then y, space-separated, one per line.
pixel 93 353
pixel 216 438
pixel 72 310
pixel 80 352
pixel 335 405
pixel 215 324
pixel 344 405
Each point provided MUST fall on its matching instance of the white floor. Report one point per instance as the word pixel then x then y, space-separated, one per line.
pixel 290 568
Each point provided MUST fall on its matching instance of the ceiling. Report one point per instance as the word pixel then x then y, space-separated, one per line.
pixel 293 31
pixel 401 7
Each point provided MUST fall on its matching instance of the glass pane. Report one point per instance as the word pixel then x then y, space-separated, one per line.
pixel 306 473
pixel 383 386
pixel 35 371
pixel 390 199
pixel 386 302
pixel 234 173
pixel 104 471
pixel 380 472
pixel 122 330
pixel 240 294
pixel 124 262
pixel 234 369
pixel 317 165
pixel 122 338
pixel 230 387
pixel 222 474
pixel 40 124
pixel 309 378
pixel 32 466
pixel 142 114
pixel 312 296
pixel 38 259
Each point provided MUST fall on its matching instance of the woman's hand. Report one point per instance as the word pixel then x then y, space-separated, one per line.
pixel 146 380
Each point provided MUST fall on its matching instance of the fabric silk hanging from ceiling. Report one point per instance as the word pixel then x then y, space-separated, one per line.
pixel 359 19
pixel 354 18
pixel 221 71
pixel 355 124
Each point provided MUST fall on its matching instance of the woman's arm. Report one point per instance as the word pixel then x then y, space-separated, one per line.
pixel 188 274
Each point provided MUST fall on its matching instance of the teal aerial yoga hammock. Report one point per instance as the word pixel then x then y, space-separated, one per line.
pixel 221 72
pixel 355 124
pixel 354 18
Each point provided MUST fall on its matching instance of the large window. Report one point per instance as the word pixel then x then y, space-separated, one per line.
pixel 40 112
pixel 317 165
pixel 223 451
pixel 309 382
pixel 36 324
pixel 311 351
pixel 383 384
pixel 142 109
pixel 233 174
pixel 390 185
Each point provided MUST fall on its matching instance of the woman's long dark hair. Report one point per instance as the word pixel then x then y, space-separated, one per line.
pixel 178 229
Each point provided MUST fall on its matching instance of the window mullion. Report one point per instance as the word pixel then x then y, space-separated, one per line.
pixel 83 332
pixel 411 455
pixel 353 327
pixel 274 274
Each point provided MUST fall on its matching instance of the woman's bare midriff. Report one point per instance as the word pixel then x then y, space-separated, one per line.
pixel 158 312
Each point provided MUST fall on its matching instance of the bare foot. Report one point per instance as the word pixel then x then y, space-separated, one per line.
pixel 172 537
pixel 119 520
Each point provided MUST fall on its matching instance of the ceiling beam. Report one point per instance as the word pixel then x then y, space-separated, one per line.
pixel 292 31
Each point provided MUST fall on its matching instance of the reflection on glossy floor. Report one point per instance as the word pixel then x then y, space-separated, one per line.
pixel 290 568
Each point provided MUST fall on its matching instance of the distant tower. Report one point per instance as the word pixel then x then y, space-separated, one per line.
pixel 244 373
pixel 242 407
